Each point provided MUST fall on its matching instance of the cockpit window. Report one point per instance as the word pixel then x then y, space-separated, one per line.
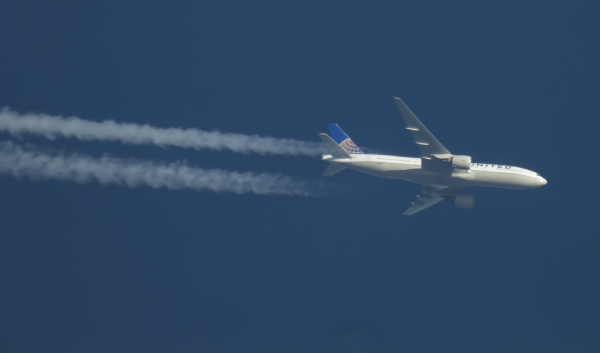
pixel 537 174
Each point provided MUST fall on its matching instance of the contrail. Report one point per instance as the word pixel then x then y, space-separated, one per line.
pixel 30 162
pixel 53 127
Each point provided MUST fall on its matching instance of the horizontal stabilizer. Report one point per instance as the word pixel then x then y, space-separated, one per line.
pixel 333 148
pixel 333 169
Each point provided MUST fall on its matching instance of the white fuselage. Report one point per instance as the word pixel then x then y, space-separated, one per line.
pixel 409 168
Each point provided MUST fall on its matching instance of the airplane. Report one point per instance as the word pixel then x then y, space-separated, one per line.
pixel 442 174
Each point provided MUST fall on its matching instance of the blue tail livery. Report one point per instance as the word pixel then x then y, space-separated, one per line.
pixel 443 175
pixel 343 140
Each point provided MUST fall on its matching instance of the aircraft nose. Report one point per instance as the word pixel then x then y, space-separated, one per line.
pixel 543 181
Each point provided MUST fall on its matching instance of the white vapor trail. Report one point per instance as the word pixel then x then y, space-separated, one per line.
pixel 52 127
pixel 30 162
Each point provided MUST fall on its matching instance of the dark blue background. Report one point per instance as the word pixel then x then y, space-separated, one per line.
pixel 98 269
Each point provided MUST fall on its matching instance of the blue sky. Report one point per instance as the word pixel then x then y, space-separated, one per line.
pixel 105 268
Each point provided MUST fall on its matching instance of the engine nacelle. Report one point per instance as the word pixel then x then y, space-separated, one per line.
pixel 464 200
pixel 462 162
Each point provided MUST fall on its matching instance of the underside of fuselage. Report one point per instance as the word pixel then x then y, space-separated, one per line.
pixel 441 173
pixel 413 172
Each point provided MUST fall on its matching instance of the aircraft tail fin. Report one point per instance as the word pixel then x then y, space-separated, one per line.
pixel 333 169
pixel 343 140
pixel 333 148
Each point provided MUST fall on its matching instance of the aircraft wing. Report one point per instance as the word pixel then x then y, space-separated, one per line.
pixel 429 197
pixel 428 144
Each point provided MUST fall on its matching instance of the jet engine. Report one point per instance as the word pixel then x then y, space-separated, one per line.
pixel 461 162
pixel 464 201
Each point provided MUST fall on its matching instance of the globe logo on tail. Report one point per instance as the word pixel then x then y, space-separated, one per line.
pixel 350 147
